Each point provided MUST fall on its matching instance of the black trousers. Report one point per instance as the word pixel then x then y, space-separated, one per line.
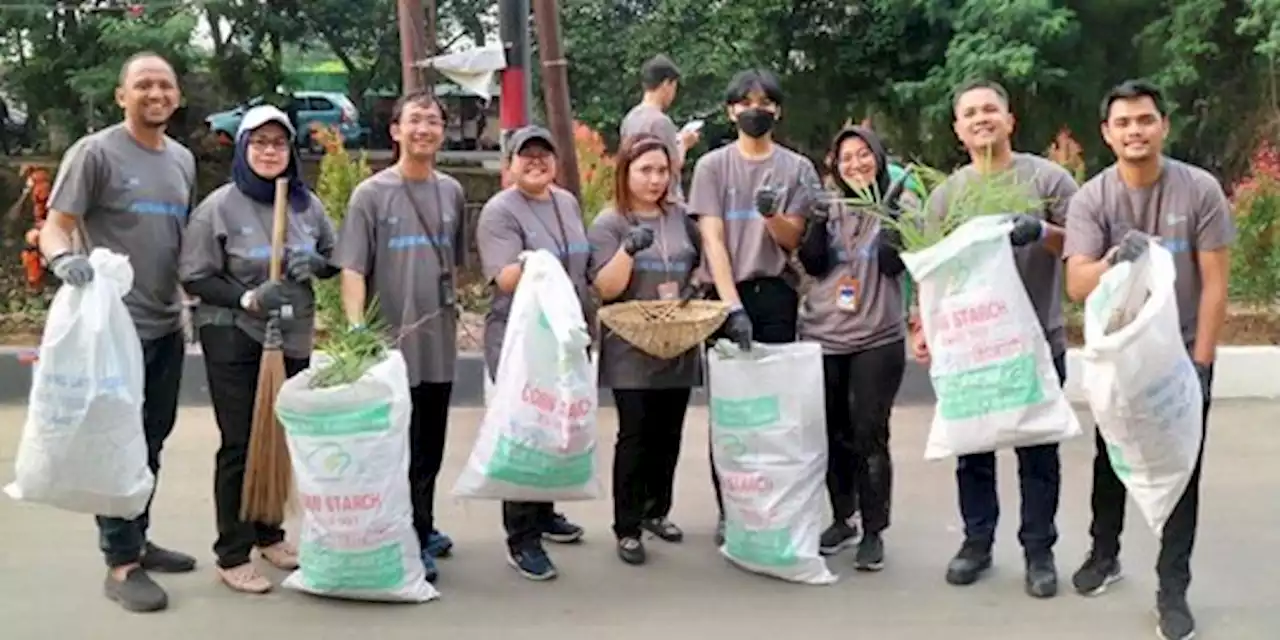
pixel 232 360
pixel 428 429
pixel 1040 481
pixel 1173 565
pixel 524 521
pixel 122 541
pixel 860 389
pixel 650 425
pixel 774 308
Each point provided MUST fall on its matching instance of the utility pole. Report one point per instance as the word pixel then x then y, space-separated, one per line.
pixel 555 92
pixel 515 99
pixel 417 42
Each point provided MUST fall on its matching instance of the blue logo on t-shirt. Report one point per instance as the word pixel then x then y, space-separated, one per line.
pixel 413 241
pixel 157 208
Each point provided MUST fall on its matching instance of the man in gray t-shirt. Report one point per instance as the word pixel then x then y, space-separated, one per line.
pixel 660 79
pixel 400 242
pixel 1146 196
pixel 129 188
pixel 984 123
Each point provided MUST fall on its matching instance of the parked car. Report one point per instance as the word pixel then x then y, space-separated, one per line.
pixel 320 107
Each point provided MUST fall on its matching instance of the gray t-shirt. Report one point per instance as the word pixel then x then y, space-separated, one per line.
pixel 133 201
pixel 648 119
pixel 724 185
pixel 662 269
pixel 855 307
pixel 1186 209
pixel 511 223
pixel 230 233
pixel 1040 269
pixel 383 239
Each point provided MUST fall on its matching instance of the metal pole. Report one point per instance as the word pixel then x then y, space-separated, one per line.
pixel 555 92
pixel 526 58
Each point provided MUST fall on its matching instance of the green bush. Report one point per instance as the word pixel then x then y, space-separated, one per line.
pixel 340 172
pixel 1255 258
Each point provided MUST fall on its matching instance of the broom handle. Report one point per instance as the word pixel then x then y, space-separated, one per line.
pixel 279 225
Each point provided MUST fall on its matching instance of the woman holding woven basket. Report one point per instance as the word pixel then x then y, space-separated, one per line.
pixel 225 253
pixel 855 312
pixel 644 248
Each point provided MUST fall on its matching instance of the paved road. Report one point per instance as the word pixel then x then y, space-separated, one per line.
pixel 50 571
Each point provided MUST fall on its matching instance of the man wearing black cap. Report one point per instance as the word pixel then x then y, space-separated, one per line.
pixel 531 214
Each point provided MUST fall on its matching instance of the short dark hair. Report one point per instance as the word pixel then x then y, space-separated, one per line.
pixel 419 97
pixel 745 82
pixel 1132 90
pixel 658 70
pixel 978 83
pixel 141 55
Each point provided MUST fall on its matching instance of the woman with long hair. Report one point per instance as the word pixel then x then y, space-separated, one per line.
pixel 644 248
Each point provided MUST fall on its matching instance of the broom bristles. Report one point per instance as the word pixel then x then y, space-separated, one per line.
pixel 268 477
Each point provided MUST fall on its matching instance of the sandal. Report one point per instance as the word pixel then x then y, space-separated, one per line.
pixel 280 555
pixel 245 579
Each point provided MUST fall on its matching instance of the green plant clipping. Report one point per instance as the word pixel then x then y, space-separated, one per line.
pixel 351 350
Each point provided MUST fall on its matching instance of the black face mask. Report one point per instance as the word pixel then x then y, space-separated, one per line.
pixel 755 122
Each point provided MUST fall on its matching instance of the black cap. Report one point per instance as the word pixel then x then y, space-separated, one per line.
pixel 526 135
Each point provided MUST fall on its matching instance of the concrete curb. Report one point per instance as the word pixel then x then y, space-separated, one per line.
pixel 1241 373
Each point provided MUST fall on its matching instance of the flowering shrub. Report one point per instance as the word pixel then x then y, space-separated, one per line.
pixel 1255 259
pixel 595 170
pixel 339 175
pixel 1068 153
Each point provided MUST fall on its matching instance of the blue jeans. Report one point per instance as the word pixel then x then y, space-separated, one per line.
pixel 1039 478
pixel 121 540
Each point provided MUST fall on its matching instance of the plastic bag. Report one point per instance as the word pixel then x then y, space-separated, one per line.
pixel 83 447
pixel 349 446
pixel 769 447
pixel 1141 384
pixel 991 367
pixel 537 442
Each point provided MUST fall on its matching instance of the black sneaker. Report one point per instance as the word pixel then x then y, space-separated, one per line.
pixel 663 528
pixel 137 592
pixel 160 560
pixel 838 537
pixel 631 550
pixel 870 555
pixel 561 531
pixel 1041 580
pixel 720 532
pixel 1174 619
pixel 532 563
pixel 973 559
pixel 1096 574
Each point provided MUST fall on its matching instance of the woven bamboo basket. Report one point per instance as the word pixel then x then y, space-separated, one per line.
pixel 664 328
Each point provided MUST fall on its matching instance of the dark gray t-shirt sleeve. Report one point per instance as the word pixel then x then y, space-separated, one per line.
pixel 355 248
pixel 79 180
pixel 1086 235
pixel 1215 228
pixel 807 191
pixel 202 254
pixel 1061 191
pixel 498 238
pixel 605 237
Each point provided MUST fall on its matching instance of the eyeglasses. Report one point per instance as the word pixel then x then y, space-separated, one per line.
pixel 264 144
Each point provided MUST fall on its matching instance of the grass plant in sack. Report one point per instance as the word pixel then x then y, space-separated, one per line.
pixel 991 366
pixel 347 423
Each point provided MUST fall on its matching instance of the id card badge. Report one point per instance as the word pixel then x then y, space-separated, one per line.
pixel 668 291
pixel 847 294
pixel 448 297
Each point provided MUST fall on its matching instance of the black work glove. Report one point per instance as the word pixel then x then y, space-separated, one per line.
pixel 73 269
pixel 821 210
pixel 302 266
pixel 272 298
pixel 1026 229
pixel 1132 246
pixel 1205 373
pixel 767 198
pixel 737 327
pixel 639 238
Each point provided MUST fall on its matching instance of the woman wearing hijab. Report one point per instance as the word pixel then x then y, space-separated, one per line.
pixel 644 248
pixel 226 251
pixel 855 312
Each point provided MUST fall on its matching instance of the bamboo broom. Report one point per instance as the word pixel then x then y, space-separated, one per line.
pixel 268 478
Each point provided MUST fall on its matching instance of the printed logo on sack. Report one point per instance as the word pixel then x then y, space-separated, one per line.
pixel 329 462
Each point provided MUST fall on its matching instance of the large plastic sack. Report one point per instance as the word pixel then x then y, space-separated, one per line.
pixel 991 367
pixel 349 446
pixel 769 447
pixel 1141 384
pixel 83 448
pixel 537 442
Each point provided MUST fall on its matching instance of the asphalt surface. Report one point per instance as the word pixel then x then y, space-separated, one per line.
pixel 51 572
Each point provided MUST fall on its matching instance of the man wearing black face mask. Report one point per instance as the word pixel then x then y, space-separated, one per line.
pixel 752 198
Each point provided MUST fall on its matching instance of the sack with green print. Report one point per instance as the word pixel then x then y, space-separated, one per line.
pixel 769 447
pixel 1141 384
pixel 537 442
pixel 991 368
pixel 349 445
